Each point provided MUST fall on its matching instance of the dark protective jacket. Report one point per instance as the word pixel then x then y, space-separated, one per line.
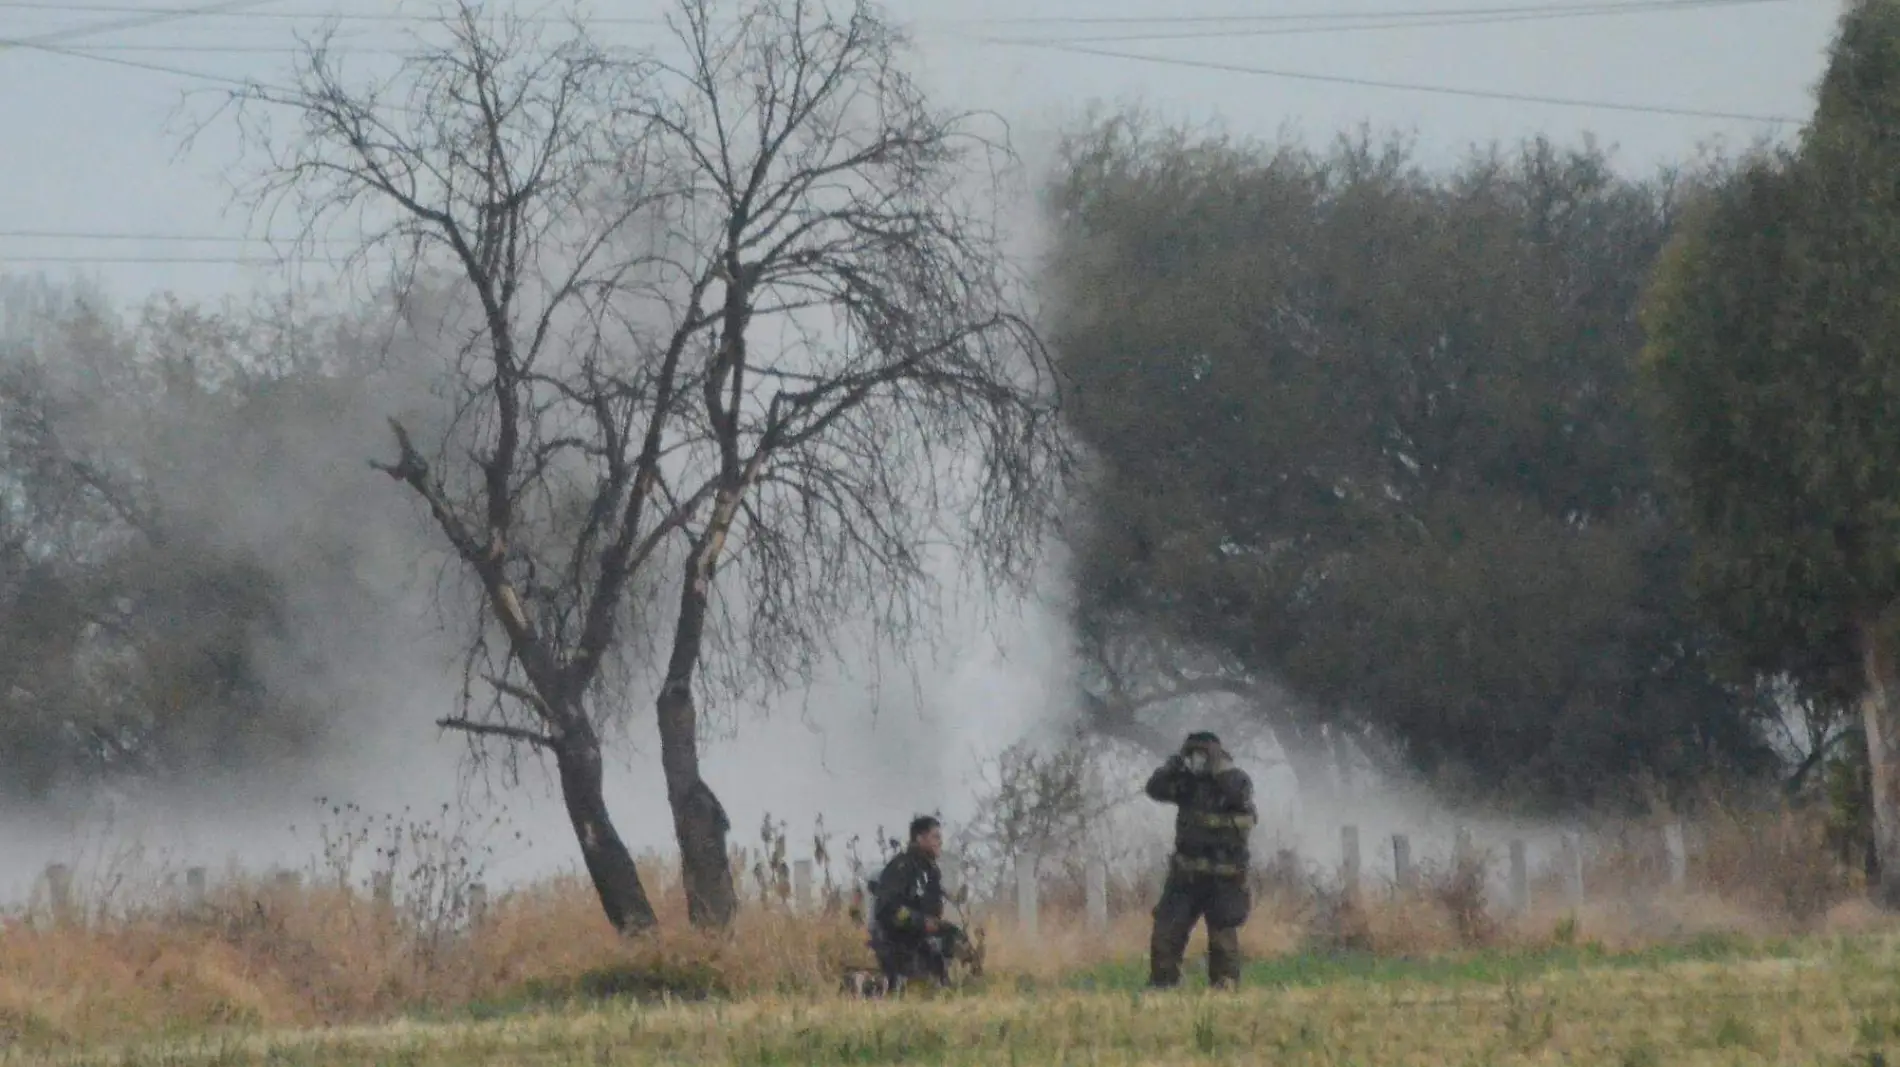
pixel 909 891
pixel 1214 817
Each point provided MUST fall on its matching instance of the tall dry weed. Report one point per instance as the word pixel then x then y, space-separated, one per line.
pixel 384 923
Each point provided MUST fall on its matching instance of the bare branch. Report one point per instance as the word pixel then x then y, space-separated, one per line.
pixel 748 306
pixel 486 729
pixel 526 696
pixel 412 470
pixel 833 205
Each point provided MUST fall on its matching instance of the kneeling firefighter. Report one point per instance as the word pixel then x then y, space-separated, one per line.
pixel 908 931
pixel 1207 874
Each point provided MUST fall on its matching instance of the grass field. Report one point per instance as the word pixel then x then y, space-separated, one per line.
pixel 1769 954
pixel 1709 1001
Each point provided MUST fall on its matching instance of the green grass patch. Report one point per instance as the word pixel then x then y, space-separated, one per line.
pixel 638 983
pixel 1484 966
pixel 1820 1001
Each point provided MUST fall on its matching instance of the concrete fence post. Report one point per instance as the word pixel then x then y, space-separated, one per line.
pixel 195 888
pixel 59 892
pixel 1286 866
pixel 1678 855
pixel 477 905
pixel 1349 859
pixel 1097 891
pixel 1404 875
pixel 1520 877
pixel 801 886
pixel 1573 869
pixel 1026 894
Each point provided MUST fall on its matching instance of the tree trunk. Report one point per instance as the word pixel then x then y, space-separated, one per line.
pixel 1117 719
pixel 1303 746
pixel 699 821
pixel 609 864
pixel 1882 725
pixel 1342 759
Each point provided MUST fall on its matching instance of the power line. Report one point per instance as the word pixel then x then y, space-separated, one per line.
pixel 1377 14
pixel 146 18
pixel 91 50
pixel 1178 61
pixel 159 68
pixel 1411 87
pixel 1542 9
pixel 309 16
pixel 1464 16
pixel 1082 49
pixel 1662 6
pixel 1276 30
pixel 49 42
pixel 94 235
pixel 163 238
pixel 237 49
pixel 235 261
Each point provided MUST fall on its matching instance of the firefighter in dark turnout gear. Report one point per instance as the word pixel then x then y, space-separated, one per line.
pixel 908 931
pixel 1207 874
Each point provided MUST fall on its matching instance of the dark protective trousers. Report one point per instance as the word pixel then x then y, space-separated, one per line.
pixel 907 959
pixel 1224 901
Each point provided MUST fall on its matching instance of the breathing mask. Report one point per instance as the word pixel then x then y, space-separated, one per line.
pixel 1197 755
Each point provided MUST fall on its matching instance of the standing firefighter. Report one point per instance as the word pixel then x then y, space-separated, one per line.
pixel 1207 875
pixel 908 930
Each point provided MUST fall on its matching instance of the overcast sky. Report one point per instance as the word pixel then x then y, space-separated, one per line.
pixel 88 149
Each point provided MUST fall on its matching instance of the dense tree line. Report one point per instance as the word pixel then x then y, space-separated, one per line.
pixel 1533 477
pixel 174 535
pixel 1373 432
pixel 1774 359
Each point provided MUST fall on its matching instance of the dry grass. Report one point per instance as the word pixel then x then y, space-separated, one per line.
pixel 258 956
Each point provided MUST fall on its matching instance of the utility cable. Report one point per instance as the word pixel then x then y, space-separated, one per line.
pixel 85 235
pixel 1020 20
pixel 1276 29
pixel 240 261
pixel 1250 31
pixel 1374 14
pixel 149 18
pixel 1177 61
pixel 42 42
pixel 1411 87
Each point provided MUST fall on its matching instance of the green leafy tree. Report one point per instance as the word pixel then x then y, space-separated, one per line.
pixel 1774 353
pixel 173 513
pixel 1370 433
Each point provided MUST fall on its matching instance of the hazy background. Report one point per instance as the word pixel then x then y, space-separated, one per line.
pixel 96 187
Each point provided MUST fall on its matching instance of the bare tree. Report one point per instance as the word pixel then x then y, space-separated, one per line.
pixel 510 168
pixel 1128 673
pixel 867 350
pixel 1036 803
pixel 736 308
